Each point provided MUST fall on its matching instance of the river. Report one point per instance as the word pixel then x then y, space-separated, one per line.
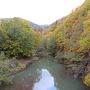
pixel 45 75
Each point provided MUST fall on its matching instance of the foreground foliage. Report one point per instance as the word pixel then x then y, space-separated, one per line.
pixel 4 70
pixel 87 79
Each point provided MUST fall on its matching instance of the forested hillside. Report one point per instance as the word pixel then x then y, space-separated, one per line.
pixel 17 38
pixel 69 41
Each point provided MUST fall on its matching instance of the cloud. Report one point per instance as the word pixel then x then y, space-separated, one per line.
pixel 38 11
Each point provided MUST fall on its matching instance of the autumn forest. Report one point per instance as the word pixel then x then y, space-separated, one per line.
pixel 67 41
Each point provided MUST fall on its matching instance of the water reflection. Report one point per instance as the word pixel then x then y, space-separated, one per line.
pixel 46 81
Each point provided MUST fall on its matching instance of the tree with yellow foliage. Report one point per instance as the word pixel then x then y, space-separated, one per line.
pixel 87 79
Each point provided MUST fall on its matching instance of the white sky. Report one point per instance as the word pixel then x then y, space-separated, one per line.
pixel 38 11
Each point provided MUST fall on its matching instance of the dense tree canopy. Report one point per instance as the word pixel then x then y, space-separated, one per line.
pixel 17 37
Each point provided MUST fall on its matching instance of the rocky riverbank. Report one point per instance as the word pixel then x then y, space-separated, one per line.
pixel 77 69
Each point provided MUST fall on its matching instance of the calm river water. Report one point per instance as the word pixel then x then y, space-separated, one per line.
pixel 45 75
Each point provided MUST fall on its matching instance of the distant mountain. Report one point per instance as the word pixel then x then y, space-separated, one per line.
pixel 38 27
pixel 33 25
pixel 55 24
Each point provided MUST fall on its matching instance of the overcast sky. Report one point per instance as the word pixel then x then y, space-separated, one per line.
pixel 38 11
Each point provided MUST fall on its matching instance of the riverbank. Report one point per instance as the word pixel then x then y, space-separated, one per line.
pixel 10 67
pixel 77 69
pixel 22 64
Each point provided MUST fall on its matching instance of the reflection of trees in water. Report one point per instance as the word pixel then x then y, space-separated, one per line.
pixel 46 81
